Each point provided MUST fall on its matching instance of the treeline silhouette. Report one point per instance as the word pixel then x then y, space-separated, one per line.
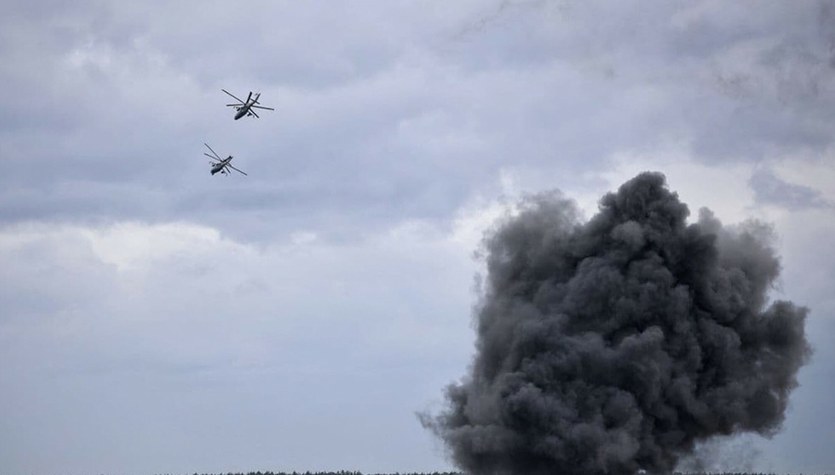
pixel 350 472
pixel 340 472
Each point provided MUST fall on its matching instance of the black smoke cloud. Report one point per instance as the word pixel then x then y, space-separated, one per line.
pixel 617 344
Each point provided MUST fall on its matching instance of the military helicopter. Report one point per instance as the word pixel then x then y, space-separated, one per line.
pixel 221 165
pixel 244 108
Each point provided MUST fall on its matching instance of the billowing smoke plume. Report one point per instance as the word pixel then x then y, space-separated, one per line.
pixel 614 345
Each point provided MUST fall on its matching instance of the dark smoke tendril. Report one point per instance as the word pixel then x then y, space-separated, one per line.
pixel 614 345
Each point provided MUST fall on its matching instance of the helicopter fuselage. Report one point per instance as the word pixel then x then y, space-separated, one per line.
pixel 244 109
pixel 218 167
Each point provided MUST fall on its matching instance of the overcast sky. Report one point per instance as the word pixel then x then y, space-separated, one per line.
pixel 154 318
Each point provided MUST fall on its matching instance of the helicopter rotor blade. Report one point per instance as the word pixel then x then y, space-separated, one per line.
pixel 262 107
pixel 211 157
pixel 233 168
pixel 233 96
pixel 210 148
pixel 253 113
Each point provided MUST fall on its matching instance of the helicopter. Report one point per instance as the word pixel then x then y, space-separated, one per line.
pixel 221 165
pixel 245 108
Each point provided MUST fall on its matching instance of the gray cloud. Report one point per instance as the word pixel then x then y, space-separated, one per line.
pixel 121 98
pixel 769 189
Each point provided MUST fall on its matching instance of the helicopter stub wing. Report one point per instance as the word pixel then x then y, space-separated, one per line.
pixel 214 161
